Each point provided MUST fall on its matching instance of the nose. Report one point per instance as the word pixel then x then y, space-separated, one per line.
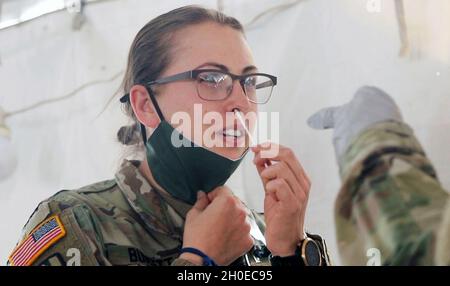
pixel 237 99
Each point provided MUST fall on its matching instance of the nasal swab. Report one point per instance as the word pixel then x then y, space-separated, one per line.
pixel 241 120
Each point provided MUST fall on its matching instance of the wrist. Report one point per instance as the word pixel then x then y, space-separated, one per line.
pixel 197 256
pixel 284 251
pixel 287 249
pixel 193 258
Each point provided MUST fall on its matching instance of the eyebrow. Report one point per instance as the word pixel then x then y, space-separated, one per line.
pixel 225 68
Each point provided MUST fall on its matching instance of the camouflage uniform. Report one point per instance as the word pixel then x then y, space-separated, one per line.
pixel 123 222
pixel 391 200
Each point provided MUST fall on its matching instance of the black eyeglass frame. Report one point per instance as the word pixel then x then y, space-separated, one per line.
pixel 193 75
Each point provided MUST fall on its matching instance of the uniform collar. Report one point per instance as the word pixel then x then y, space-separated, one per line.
pixel 159 211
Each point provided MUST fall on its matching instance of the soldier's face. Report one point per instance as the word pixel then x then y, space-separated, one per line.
pixel 205 46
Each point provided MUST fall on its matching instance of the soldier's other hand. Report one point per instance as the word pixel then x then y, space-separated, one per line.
pixel 370 105
pixel 286 195
pixel 217 226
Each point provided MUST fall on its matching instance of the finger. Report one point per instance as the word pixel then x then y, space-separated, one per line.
pixel 288 156
pixel 323 119
pixel 219 191
pixel 261 164
pixel 202 201
pixel 281 190
pixel 255 148
pixel 259 160
pixel 282 155
pixel 282 171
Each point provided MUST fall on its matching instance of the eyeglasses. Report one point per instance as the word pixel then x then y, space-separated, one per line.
pixel 216 85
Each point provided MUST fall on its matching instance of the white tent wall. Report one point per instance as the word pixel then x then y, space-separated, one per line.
pixel 321 50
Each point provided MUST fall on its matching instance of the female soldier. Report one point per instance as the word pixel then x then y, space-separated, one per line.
pixel 171 208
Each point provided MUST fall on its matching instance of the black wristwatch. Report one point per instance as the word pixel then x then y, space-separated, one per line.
pixel 307 254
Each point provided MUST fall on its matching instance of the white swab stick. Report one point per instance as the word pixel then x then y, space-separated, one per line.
pixel 241 120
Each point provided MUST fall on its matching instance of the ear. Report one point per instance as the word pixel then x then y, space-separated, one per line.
pixel 143 107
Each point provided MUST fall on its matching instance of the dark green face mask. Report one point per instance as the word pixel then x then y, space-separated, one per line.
pixel 183 171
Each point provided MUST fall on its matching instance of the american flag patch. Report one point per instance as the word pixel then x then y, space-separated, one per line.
pixel 38 241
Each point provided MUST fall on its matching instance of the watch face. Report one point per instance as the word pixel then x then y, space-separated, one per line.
pixel 311 253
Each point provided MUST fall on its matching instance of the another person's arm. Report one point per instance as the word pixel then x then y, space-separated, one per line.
pixel 391 203
pixel 390 200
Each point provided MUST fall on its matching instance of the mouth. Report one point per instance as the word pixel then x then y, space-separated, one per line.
pixel 232 136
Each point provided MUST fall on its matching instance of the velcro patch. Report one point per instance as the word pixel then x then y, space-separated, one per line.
pixel 38 241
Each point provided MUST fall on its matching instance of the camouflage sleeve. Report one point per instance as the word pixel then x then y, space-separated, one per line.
pixel 390 208
pixel 72 239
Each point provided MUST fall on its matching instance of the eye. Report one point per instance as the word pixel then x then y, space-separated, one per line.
pixel 250 82
pixel 212 78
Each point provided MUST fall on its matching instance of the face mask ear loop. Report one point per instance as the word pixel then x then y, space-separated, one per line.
pixel 158 111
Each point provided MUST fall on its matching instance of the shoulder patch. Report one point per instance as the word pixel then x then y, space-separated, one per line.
pixel 39 240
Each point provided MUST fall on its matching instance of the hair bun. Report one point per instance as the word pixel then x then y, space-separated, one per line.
pixel 129 135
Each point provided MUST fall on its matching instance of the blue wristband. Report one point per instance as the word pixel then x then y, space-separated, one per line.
pixel 207 261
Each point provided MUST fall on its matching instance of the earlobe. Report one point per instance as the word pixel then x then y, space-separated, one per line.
pixel 143 107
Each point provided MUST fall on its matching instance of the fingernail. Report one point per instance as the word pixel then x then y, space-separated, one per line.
pixel 200 195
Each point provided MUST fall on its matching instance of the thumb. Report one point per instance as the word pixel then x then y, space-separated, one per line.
pixel 202 201
pixel 219 191
pixel 324 118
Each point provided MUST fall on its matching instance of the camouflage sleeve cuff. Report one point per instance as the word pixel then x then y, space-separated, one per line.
pixel 382 138
pixel 182 262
